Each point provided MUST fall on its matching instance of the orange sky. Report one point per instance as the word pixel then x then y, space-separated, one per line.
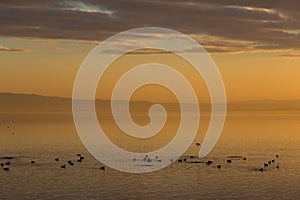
pixel 255 44
pixel 51 66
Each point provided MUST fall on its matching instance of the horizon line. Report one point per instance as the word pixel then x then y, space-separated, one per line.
pixel 70 98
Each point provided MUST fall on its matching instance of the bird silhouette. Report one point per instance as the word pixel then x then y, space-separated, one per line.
pixel 70 162
pixel 209 162
pixel 261 169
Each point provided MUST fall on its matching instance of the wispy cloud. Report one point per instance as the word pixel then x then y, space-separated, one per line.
pixel 292 32
pixel 248 8
pixel 83 7
pixel 269 11
pixel 219 44
pixel 15 50
pixel 290 56
pixel 95 42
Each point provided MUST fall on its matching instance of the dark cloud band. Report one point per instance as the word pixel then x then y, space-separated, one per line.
pixel 221 26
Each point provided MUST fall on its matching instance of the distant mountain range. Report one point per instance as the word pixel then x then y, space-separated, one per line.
pixel 33 102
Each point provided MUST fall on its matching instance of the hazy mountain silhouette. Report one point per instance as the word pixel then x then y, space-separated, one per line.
pixel 33 102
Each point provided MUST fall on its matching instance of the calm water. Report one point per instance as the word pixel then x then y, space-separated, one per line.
pixel 258 136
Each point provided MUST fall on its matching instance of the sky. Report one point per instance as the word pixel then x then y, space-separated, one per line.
pixel 254 43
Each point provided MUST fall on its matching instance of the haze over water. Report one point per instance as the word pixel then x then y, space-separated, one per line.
pixel 254 44
pixel 257 135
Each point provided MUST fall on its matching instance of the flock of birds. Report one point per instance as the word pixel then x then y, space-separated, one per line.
pixel 7 163
pixel 184 159
pixel 194 159
pixel 269 163
pixel 79 159
pixel 219 166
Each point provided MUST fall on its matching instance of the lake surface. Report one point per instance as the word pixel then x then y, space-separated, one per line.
pixel 259 136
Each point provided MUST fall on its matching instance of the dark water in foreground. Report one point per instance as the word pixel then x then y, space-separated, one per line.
pixel 259 137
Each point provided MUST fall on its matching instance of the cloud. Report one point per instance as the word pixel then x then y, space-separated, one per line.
pixel 87 8
pixel 221 26
pixel 95 42
pixel 290 56
pixel 257 10
pixel 212 44
pixel 292 32
pixel 4 48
